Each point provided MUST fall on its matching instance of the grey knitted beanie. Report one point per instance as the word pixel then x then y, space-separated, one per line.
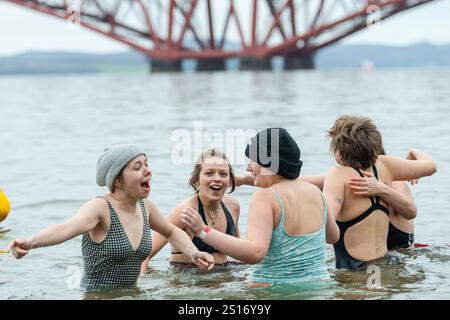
pixel 113 160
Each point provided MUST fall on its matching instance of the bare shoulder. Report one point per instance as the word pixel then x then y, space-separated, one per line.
pixel 380 163
pixel 264 195
pixel 312 191
pixel 150 206
pixel 96 205
pixel 189 202
pixel 96 208
pixel 340 173
pixel 231 201
pixel 232 204
pixel 387 161
pixel 308 187
pixel 336 171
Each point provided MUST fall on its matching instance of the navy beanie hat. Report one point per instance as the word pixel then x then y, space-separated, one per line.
pixel 274 148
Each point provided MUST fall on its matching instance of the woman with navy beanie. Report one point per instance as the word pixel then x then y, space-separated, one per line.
pixel 288 221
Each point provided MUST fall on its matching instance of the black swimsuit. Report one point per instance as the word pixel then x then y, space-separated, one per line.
pixel 398 239
pixel 202 246
pixel 343 259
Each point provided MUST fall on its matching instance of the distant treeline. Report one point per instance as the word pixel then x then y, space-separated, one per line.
pixel 338 56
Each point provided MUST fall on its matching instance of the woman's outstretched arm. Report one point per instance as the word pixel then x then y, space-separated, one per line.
pixel 178 238
pixel 259 228
pixel 85 220
pixel 417 165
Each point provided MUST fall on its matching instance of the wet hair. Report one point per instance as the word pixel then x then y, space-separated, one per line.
pixel 357 140
pixel 210 153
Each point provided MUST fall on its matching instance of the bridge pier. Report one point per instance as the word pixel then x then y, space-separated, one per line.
pixel 254 64
pixel 160 65
pixel 212 64
pixel 298 61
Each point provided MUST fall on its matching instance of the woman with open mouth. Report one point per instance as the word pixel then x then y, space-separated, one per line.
pixel 288 221
pixel 116 226
pixel 211 177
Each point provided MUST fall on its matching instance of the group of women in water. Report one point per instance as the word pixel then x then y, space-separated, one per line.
pixel 363 207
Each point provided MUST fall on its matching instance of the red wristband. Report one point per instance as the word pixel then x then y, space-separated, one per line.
pixel 204 232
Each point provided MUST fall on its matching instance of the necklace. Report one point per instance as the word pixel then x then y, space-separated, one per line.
pixel 213 215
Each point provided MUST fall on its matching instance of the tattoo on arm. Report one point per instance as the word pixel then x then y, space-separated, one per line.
pixel 339 200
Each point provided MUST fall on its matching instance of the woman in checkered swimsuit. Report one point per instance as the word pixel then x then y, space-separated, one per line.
pixel 116 226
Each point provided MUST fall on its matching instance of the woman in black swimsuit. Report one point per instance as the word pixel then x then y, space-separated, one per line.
pixel 211 177
pixel 363 221
pixel 399 197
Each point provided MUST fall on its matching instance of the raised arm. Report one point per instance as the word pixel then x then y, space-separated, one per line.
pixel 159 241
pixel 398 196
pixel 418 165
pixel 259 228
pixel 178 238
pixel 246 179
pixel 333 191
pixel 85 220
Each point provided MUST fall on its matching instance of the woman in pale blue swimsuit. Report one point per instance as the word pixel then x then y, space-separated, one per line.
pixel 288 221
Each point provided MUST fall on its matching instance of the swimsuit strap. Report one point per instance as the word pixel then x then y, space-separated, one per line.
pixel 372 200
pixel 281 205
pixel 201 210
pixel 375 173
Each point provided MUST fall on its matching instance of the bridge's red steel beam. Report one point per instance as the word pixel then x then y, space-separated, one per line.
pixel 263 28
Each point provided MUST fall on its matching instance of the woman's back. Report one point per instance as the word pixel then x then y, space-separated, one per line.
pixel 353 205
pixel 297 248
pixel 303 207
pixel 363 221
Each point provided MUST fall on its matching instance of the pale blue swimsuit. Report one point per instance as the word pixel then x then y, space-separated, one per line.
pixel 293 259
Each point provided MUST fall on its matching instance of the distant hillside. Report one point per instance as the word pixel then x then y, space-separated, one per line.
pixel 72 62
pixel 339 56
pixel 352 56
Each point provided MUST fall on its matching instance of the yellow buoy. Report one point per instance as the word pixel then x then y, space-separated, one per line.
pixel 4 205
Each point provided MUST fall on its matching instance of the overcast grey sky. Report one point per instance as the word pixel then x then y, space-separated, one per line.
pixel 24 30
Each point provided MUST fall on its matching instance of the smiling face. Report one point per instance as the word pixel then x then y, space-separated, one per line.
pixel 135 178
pixel 214 178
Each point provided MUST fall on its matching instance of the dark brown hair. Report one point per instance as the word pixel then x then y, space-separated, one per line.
pixel 357 140
pixel 210 153
pixel 119 178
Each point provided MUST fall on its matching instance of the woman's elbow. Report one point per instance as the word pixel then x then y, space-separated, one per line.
pixel 411 213
pixel 331 239
pixel 431 168
pixel 333 233
pixel 256 257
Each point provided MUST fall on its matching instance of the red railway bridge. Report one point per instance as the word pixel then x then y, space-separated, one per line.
pixel 211 31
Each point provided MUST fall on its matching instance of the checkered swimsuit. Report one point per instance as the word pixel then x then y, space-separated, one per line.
pixel 113 262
